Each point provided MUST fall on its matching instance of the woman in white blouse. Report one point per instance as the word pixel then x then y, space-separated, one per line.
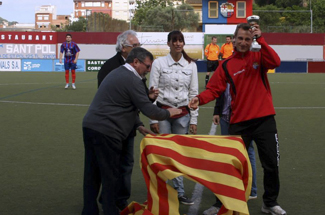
pixel 175 76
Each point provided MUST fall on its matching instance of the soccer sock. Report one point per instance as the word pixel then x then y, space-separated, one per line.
pixel 73 74
pixel 206 79
pixel 67 76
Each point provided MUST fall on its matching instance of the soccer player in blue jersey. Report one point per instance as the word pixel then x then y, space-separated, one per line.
pixel 71 54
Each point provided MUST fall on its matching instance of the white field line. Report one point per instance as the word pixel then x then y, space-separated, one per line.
pixel 197 198
pixel 279 82
pixel 86 105
pixel 47 83
pixel 6 84
pixel 43 103
pixel 283 108
pixel 301 108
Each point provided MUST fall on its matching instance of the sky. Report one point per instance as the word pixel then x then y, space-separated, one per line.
pixel 23 11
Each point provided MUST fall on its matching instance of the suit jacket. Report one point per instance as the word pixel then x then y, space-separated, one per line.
pixel 110 65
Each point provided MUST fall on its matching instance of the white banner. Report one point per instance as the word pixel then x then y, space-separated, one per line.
pixel 160 38
pixel 10 65
pixel 38 51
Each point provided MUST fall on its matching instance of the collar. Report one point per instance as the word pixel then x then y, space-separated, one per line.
pixel 240 54
pixel 121 56
pixel 170 61
pixel 129 67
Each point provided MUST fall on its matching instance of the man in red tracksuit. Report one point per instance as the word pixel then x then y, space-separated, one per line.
pixel 252 108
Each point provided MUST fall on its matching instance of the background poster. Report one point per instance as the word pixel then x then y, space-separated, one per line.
pixel 58 67
pixel 10 65
pixel 36 65
pixel 94 65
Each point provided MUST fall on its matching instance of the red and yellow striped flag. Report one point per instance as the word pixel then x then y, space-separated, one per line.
pixel 220 163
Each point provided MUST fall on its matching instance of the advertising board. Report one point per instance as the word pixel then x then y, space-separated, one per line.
pixel 28 37
pixel 59 67
pixel 38 51
pixel 94 65
pixel 156 43
pixel 36 65
pixel 10 65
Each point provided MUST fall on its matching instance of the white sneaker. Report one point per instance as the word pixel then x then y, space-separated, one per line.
pixel 252 197
pixel 73 86
pixel 275 210
pixel 66 86
pixel 211 211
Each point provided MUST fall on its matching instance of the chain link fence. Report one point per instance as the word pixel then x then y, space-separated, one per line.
pixel 288 21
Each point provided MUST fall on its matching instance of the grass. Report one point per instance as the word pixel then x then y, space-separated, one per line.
pixel 41 150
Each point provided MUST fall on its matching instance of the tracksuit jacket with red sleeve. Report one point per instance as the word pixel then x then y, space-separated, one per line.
pixel 250 89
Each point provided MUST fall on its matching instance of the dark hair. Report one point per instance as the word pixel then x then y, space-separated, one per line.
pixel 213 37
pixel 244 26
pixel 139 53
pixel 178 36
pixel 229 36
pixel 68 35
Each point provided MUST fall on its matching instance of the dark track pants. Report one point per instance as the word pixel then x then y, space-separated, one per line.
pixel 263 131
pixel 102 161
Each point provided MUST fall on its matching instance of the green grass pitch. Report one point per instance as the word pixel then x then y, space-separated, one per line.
pixel 41 149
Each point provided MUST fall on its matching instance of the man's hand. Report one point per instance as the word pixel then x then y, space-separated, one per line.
pixel 256 31
pixel 194 103
pixel 75 61
pixel 216 119
pixel 144 131
pixel 60 60
pixel 155 128
pixel 193 129
pixel 153 93
pixel 174 111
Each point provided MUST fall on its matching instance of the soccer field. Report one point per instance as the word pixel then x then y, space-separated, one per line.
pixel 41 150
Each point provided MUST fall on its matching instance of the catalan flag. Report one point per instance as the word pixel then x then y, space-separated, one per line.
pixel 220 163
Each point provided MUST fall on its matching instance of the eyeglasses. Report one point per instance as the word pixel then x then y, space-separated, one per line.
pixel 148 66
pixel 134 45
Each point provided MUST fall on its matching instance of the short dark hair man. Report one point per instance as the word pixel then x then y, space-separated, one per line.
pixel 109 119
pixel 125 42
pixel 71 54
pixel 253 112
pixel 227 48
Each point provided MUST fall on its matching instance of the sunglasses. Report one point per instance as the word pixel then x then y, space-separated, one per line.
pixel 134 45
pixel 148 66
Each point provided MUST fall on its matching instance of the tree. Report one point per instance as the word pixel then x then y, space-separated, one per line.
pixel 144 6
pixel 77 26
pixel 264 2
pixel 291 16
pixel 2 20
pixel 288 3
pixel 168 18
pixel 102 22
pixel 268 18
pixel 318 7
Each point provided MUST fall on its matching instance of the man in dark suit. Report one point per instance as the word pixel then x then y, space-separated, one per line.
pixel 126 41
